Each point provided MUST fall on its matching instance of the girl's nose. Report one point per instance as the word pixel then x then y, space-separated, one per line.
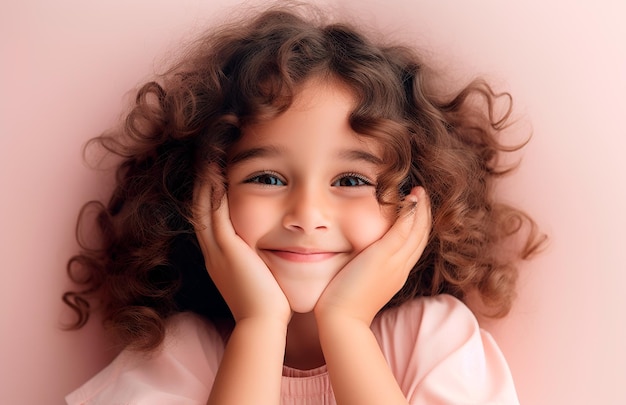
pixel 307 212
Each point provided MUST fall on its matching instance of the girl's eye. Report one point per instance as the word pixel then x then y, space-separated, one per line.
pixel 266 179
pixel 351 180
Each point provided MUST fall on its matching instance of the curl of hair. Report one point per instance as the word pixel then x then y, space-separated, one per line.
pixel 149 266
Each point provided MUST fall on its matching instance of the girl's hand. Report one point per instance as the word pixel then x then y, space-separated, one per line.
pixel 371 278
pixel 243 279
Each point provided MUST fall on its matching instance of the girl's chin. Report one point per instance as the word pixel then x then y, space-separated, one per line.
pixel 302 307
pixel 302 300
pixel 302 303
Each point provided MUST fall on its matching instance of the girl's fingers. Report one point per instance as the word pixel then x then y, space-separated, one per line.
pixel 202 215
pixel 221 225
pixel 421 226
pixel 401 247
pixel 410 231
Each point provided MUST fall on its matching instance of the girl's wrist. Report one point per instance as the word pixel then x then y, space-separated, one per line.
pixel 275 323
pixel 336 320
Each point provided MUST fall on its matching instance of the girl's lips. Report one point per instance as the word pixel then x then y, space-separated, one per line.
pixel 301 257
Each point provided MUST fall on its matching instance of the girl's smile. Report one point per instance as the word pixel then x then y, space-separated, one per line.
pixel 301 191
pixel 301 255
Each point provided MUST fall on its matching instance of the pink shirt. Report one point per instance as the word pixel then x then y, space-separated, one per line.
pixel 434 347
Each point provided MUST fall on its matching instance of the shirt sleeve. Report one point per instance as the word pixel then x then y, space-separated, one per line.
pixel 439 355
pixel 181 371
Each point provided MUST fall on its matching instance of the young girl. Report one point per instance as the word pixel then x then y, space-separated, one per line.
pixel 297 219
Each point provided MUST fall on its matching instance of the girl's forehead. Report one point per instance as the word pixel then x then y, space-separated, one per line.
pixel 318 117
pixel 297 148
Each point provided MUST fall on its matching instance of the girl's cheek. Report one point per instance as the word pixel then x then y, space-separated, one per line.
pixel 249 217
pixel 365 225
pixel 239 215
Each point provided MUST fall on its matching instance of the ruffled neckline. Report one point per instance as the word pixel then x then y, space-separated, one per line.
pixel 313 384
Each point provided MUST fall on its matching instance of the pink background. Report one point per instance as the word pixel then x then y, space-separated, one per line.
pixel 67 65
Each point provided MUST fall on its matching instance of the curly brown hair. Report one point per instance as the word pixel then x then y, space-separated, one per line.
pixel 148 264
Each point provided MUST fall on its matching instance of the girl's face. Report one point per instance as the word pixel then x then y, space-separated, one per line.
pixel 302 192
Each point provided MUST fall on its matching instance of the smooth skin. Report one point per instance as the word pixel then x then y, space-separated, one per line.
pixel 339 321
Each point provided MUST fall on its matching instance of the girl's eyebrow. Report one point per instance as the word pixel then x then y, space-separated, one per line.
pixel 360 155
pixel 252 153
pixel 272 151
